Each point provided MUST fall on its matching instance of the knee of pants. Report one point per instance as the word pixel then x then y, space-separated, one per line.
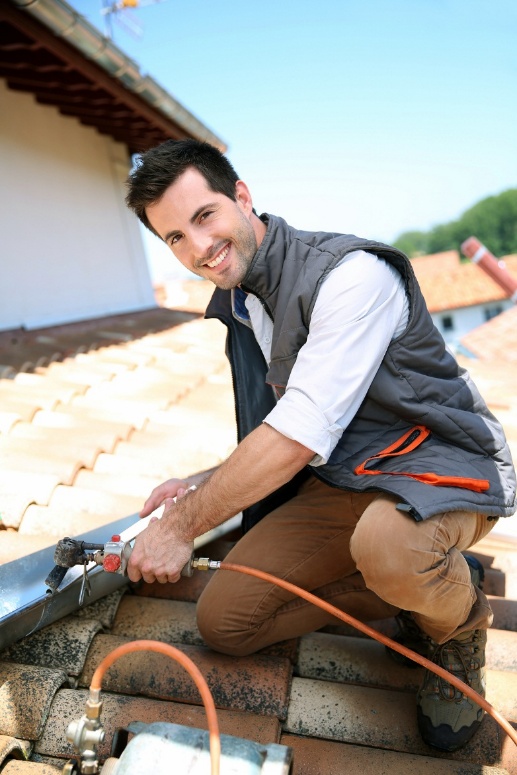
pixel 220 633
pixel 383 559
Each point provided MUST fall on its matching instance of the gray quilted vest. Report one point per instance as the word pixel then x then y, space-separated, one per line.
pixel 423 433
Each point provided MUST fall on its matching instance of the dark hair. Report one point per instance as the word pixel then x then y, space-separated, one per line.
pixel 161 166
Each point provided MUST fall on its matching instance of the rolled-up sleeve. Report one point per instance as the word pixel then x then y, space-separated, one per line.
pixel 300 419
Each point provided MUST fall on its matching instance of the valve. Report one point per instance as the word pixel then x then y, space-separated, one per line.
pixel 86 734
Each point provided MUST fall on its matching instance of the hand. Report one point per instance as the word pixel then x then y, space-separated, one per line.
pixel 160 553
pixel 170 489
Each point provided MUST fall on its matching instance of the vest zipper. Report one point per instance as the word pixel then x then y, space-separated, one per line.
pixel 254 293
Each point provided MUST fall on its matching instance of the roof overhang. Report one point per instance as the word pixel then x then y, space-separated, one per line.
pixel 50 51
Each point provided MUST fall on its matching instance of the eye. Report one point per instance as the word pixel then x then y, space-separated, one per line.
pixel 175 239
pixel 205 215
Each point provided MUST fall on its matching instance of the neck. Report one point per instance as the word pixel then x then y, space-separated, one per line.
pixel 258 227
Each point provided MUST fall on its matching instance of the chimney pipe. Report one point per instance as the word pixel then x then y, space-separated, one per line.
pixel 479 254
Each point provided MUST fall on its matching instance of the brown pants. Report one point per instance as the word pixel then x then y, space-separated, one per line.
pixel 358 552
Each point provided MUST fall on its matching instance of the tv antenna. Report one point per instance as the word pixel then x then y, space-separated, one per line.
pixel 121 12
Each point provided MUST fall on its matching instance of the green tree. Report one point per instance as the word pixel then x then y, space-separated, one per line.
pixel 492 220
pixel 412 243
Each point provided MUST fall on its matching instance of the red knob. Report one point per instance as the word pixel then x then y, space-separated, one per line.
pixel 111 563
pixel 115 538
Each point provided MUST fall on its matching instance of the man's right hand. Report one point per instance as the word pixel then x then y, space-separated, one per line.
pixel 172 488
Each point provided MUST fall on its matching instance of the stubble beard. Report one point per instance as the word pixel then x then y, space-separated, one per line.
pixel 244 245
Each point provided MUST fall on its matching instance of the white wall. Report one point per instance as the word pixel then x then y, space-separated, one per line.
pixel 69 248
pixel 465 319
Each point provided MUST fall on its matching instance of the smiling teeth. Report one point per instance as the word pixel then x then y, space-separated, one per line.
pixel 220 257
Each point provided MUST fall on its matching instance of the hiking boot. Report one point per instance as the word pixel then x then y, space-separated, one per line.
pixel 447 719
pixel 411 636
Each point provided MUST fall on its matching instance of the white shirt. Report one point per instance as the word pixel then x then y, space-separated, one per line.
pixel 361 306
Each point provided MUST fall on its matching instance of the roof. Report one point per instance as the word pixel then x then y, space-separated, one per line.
pixel 52 52
pixel 449 283
pixel 101 413
pixel 496 339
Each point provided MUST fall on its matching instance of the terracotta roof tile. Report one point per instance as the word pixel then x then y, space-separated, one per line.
pixel 171 621
pixel 353 660
pixel 255 684
pixel 103 610
pixel 314 757
pixel 46 395
pixel 136 485
pixel 505 613
pixel 58 522
pixel 10 746
pixel 84 452
pixel 113 505
pixel 161 468
pixel 496 339
pixel 75 373
pixel 62 387
pixel 118 710
pixel 377 717
pixel 30 768
pixel 62 645
pixel 151 384
pixel 65 419
pixel 448 283
pixel 26 695
pixel 40 486
pixel 96 438
pixel 62 467
pixel 14 545
pixel 8 420
pixel 24 410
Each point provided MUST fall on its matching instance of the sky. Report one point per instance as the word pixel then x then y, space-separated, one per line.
pixel 371 117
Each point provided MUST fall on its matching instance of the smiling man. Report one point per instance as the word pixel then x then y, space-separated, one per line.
pixel 213 236
pixel 367 461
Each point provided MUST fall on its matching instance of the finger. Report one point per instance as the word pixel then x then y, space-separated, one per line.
pixel 150 505
pixel 174 579
pixel 155 500
pixel 168 504
pixel 133 574
pixel 149 578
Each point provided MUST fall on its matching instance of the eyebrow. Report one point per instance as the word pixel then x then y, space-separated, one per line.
pixel 192 219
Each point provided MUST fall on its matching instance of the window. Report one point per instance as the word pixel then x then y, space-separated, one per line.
pixel 448 323
pixel 492 312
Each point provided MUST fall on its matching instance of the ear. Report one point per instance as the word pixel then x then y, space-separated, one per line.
pixel 243 197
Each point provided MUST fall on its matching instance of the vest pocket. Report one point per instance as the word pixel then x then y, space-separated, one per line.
pixel 407 443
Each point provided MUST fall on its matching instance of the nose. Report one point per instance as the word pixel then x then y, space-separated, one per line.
pixel 200 244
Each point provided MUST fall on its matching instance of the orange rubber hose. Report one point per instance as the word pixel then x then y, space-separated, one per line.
pixel 440 671
pixel 190 667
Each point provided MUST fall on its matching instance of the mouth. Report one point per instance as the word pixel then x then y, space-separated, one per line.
pixel 219 258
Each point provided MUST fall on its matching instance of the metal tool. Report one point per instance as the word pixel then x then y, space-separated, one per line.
pixel 113 556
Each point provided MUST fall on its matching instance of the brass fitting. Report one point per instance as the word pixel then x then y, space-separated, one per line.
pixel 203 563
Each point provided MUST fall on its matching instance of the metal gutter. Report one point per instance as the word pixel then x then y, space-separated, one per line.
pixel 66 23
pixel 26 604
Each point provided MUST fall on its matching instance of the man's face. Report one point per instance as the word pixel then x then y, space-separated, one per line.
pixel 209 233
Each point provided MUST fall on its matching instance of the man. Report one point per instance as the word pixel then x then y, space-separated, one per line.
pixel 367 462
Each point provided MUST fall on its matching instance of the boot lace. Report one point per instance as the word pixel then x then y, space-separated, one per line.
pixel 459 659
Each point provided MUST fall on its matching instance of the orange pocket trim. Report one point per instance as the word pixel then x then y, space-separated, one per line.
pixel 408 442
